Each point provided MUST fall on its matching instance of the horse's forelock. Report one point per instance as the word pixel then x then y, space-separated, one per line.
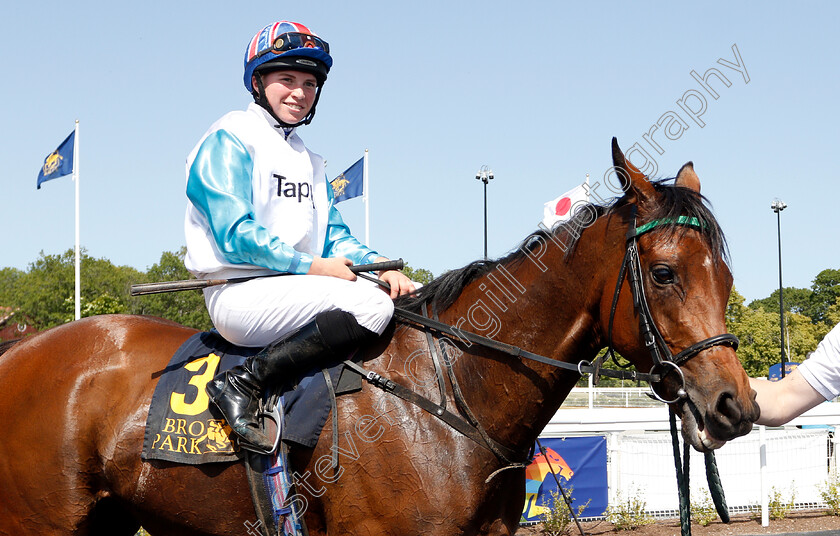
pixel 678 201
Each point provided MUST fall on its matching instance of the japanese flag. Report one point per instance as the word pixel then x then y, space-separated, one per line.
pixel 565 206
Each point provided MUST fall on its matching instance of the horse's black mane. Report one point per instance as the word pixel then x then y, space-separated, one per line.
pixel 675 201
pixel 6 345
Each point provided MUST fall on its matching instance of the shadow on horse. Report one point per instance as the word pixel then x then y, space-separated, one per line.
pixel 75 398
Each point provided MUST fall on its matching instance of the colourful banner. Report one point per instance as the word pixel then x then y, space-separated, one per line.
pixel 581 466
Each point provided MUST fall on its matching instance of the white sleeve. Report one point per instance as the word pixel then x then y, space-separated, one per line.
pixel 822 369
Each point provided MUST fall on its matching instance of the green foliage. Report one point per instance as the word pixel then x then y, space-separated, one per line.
pixel 9 282
pixel 758 332
pixel 558 519
pixel 830 493
pixel 44 293
pixel 760 335
pixel 629 514
pixel 779 507
pixel 104 304
pixel 185 307
pixel 796 300
pixel 832 314
pixel 825 292
pixel 418 275
pixel 703 510
pixel 606 381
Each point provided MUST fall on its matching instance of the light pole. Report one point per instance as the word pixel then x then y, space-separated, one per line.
pixel 778 206
pixel 485 175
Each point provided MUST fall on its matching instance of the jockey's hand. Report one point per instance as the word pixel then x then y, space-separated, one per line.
pixel 332 266
pixel 400 284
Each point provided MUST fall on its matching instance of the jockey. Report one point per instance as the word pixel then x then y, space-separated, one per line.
pixel 259 204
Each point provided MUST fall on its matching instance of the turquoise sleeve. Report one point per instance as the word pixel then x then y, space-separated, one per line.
pixel 219 185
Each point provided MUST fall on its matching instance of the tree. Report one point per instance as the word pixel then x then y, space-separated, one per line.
pixel 45 292
pixel 797 300
pixel 9 281
pixel 832 315
pixel 758 332
pixel 825 292
pixel 418 275
pixel 186 307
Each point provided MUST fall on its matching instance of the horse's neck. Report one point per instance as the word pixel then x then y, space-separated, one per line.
pixel 550 312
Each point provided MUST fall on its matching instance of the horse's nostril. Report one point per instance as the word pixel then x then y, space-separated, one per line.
pixel 728 409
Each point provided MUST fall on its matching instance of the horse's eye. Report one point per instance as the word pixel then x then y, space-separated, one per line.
pixel 662 275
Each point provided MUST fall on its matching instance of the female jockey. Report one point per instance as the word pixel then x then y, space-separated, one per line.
pixel 259 204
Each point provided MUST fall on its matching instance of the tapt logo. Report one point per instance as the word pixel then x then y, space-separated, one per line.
pixel 287 188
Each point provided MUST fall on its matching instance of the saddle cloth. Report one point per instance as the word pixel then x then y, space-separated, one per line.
pixel 184 427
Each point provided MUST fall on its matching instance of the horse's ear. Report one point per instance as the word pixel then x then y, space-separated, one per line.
pixel 633 181
pixel 687 178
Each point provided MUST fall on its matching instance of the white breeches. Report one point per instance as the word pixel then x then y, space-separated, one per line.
pixel 261 311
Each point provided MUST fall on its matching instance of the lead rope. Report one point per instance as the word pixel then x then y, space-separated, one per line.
pixel 682 477
pixel 716 487
pixel 712 477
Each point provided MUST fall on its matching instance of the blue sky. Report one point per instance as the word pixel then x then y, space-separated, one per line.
pixel 434 90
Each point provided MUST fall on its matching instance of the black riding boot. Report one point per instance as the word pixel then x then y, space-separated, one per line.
pixel 236 392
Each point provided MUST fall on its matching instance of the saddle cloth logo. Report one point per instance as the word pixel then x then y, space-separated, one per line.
pixel 183 426
pixel 186 431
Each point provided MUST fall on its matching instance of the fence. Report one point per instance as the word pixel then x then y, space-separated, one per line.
pixel 798 464
pixel 795 461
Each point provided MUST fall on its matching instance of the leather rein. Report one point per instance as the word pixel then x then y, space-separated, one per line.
pixel 469 426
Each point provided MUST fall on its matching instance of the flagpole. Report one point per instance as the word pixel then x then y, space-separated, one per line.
pixel 366 198
pixel 78 293
pixel 587 192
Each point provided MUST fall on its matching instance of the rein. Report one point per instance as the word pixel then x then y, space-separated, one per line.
pixel 654 342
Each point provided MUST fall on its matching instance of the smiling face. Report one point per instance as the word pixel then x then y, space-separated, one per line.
pixel 290 94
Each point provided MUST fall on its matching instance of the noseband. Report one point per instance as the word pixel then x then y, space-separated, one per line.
pixel 652 338
pixel 660 354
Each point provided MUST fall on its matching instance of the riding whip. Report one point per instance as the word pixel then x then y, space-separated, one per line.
pixel 195 284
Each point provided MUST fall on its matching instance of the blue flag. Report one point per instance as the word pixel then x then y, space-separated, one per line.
pixel 59 162
pixel 351 183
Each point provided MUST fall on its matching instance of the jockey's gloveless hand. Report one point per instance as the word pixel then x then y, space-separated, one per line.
pixel 400 284
pixel 332 266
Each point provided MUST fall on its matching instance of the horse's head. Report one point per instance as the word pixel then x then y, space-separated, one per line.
pixel 675 313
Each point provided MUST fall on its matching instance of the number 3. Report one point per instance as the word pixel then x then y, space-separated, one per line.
pixel 199 381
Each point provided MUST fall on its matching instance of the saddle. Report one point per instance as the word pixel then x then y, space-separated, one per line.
pixel 183 427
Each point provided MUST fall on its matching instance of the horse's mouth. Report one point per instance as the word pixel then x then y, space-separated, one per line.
pixel 708 442
pixel 694 430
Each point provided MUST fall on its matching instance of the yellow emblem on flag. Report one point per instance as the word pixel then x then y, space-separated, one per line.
pixel 339 184
pixel 52 163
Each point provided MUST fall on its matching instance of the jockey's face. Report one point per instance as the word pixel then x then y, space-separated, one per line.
pixel 290 94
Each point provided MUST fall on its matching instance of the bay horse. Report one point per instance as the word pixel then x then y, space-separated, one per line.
pixel 74 399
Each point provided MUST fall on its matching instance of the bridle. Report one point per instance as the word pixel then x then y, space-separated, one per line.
pixel 652 339
pixel 660 354
pixel 661 357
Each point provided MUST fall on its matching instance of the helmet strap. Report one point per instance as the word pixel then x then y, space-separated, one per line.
pixel 260 98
